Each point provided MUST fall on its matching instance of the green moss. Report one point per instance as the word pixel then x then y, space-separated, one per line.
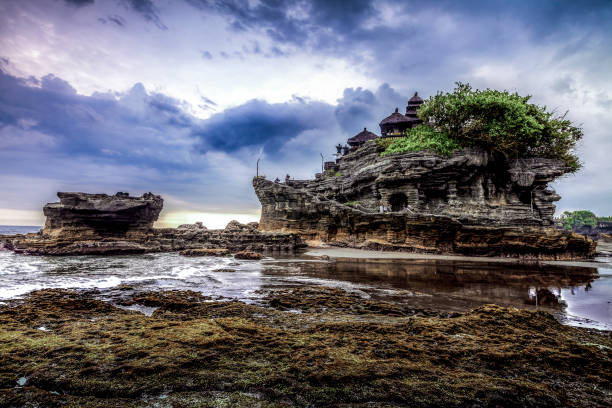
pixel 332 173
pixel 342 349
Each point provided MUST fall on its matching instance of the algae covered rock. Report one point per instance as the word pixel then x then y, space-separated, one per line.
pixel 206 252
pixel 248 255
pixel 339 350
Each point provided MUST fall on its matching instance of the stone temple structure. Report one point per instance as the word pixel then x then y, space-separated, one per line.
pixel 396 124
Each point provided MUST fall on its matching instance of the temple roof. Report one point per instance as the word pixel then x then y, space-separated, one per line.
pixel 362 137
pixel 416 99
pixel 395 117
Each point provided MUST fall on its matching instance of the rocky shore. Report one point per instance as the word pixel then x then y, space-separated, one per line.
pixel 300 347
pixel 471 203
pixel 98 224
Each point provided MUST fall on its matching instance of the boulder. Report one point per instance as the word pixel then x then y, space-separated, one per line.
pixel 206 252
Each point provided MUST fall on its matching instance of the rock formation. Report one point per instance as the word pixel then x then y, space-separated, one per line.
pixel 83 224
pixel 602 228
pixel 472 202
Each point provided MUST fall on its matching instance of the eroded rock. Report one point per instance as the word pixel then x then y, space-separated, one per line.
pixel 98 224
pixel 472 202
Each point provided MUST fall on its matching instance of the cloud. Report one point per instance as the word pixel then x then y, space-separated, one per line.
pixel 79 3
pixel 138 140
pixel 142 128
pixel 147 9
pixel 263 125
pixel 117 20
pixel 361 107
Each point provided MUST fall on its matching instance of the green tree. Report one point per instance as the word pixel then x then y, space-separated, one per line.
pixel 574 219
pixel 501 121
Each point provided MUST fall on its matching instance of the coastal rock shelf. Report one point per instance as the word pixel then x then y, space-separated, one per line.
pixel 472 203
pixel 99 224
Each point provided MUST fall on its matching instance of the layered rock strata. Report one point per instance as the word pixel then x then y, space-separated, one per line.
pixel 469 203
pixel 86 224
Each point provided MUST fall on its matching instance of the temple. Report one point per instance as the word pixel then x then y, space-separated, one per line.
pixel 360 138
pixel 396 124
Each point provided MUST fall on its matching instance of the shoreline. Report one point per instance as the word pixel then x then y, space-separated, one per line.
pixel 354 253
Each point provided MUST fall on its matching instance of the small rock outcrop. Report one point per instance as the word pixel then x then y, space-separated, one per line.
pixel 473 202
pixel 99 224
pixel 206 252
pixel 82 224
pixel 100 215
pixel 599 231
pixel 248 255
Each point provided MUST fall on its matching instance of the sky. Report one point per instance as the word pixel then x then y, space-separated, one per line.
pixel 182 97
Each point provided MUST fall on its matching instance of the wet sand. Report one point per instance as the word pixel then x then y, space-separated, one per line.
pixel 367 254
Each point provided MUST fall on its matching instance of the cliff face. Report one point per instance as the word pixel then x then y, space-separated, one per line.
pixel 98 224
pixel 469 203
pixel 472 185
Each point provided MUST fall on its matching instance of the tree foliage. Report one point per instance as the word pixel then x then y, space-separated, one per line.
pixel 574 219
pixel 498 121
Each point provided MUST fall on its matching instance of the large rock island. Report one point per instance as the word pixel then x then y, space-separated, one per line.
pixel 86 224
pixel 471 202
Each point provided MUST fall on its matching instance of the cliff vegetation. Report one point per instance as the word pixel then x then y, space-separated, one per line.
pixel 498 121
pixel 574 219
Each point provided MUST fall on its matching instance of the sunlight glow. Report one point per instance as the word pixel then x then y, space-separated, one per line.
pixel 209 219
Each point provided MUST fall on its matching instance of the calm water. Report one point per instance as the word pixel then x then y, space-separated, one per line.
pixel 577 296
pixel 18 229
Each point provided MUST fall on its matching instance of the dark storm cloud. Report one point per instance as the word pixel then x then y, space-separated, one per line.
pixel 296 21
pixel 79 3
pixel 147 9
pixel 261 124
pixel 291 21
pixel 270 126
pixel 117 20
pixel 137 127
pixel 360 108
pixel 433 42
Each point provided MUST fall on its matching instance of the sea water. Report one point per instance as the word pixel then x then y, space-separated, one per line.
pixel 579 296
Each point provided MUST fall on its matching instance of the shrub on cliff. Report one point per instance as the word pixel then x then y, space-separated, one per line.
pixel 422 138
pixel 495 120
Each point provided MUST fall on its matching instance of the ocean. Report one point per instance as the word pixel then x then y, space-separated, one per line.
pixel 18 229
